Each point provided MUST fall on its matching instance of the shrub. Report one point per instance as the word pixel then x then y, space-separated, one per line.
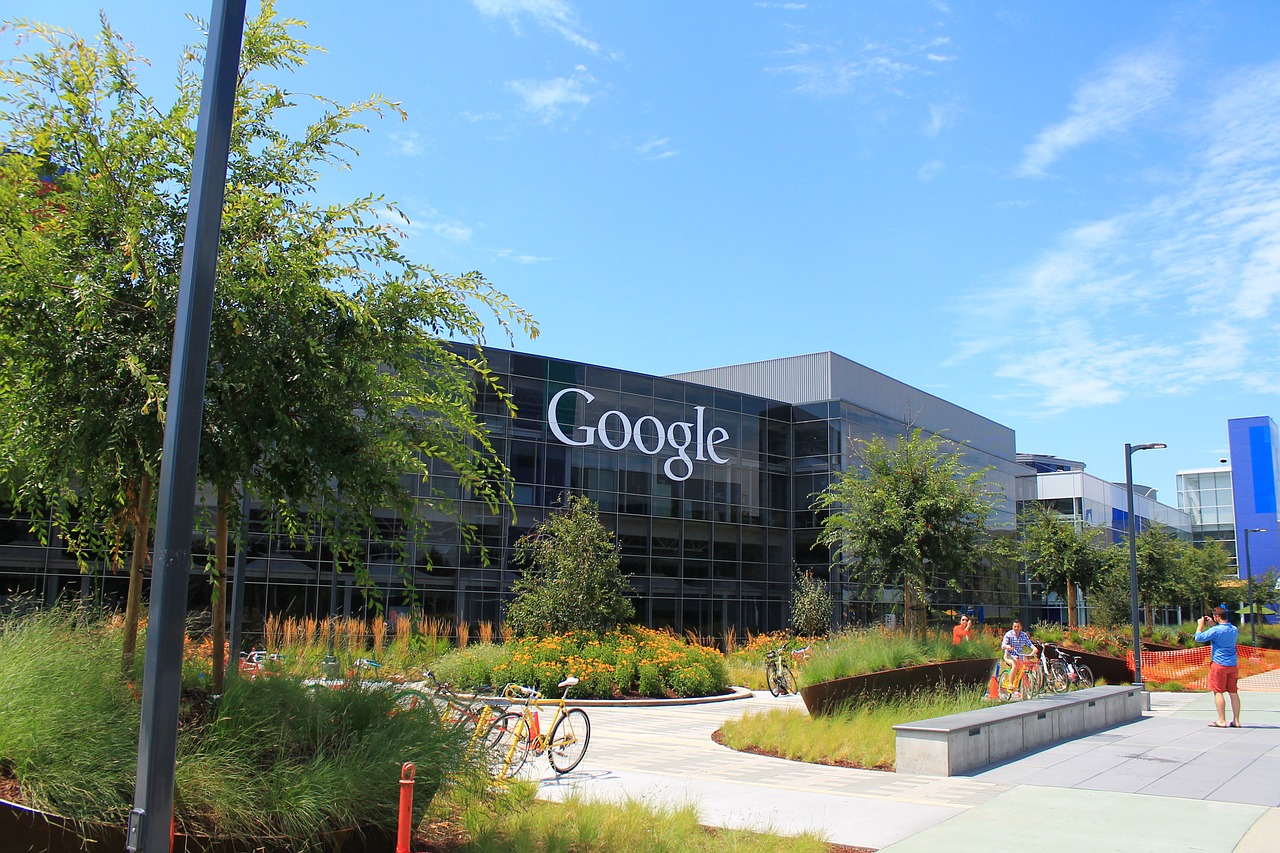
pixel 810 606
pixel 628 662
pixel 572 580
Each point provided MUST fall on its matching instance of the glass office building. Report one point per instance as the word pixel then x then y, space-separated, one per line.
pixel 706 479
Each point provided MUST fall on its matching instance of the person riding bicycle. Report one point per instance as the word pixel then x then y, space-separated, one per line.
pixel 1013 647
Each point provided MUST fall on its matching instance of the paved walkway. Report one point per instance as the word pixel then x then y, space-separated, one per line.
pixel 1163 783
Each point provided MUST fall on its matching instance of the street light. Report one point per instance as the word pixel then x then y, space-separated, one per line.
pixel 1129 450
pixel 1248 568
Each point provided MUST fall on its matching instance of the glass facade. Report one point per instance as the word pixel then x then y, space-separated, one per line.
pixel 1206 496
pixel 707 490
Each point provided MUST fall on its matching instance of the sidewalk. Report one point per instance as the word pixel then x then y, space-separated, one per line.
pixel 1166 782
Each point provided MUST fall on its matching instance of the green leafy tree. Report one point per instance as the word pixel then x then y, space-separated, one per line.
pixel 329 379
pixel 1058 553
pixel 811 606
pixel 912 515
pixel 1161 570
pixel 1203 571
pixel 572 580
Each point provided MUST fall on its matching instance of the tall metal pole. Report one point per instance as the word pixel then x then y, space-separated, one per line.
pixel 1248 567
pixel 1129 450
pixel 237 583
pixel 150 819
pixel 1133 567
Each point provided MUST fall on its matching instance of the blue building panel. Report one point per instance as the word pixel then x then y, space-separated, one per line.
pixel 1255 463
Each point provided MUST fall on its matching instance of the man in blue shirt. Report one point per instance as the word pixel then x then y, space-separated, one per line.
pixel 1224 670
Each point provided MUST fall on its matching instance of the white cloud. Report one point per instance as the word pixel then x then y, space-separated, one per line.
pixel 554 15
pixel 427 219
pixel 941 117
pixel 1109 103
pixel 407 144
pixel 549 98
pixel 512 255
pixel 1178 293
pixel 656 149
pixel 930 170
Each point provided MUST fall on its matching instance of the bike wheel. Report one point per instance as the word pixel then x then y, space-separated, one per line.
pixel 506 745
pixel 1059 682
pixel 569 739
pixel 787 681
pixel 1086 675
pixel 1028 686
pixel 772 678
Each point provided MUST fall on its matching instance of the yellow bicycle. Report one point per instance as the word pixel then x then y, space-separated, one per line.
pixel 512 737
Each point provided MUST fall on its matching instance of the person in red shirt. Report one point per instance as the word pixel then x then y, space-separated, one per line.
pixel 962 631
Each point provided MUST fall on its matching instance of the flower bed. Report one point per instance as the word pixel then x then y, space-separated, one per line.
pixel 631 662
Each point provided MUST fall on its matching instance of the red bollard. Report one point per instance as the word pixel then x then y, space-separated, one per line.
pixel 404 832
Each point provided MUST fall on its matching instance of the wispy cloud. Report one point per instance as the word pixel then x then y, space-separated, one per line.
pixel 512 255
pixel 875 67
pixel 930 170
pixel 548 99
pixel 426 220
pixel 407 144
pixel 554 15
pixel 1179 293
pixel 1108 103
pixel 656 149
pixel 790 7
pixel 941 117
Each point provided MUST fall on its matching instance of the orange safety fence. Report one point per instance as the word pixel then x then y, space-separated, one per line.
pixel 1259 668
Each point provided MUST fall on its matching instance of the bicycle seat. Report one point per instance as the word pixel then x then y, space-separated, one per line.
pixel 568 682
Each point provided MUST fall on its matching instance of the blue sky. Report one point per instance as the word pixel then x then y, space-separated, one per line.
pixel 1064 216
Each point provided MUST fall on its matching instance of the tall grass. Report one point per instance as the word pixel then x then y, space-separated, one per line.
pixel 862 652
pixel 515 821
pixel 861 735
pixel 272 760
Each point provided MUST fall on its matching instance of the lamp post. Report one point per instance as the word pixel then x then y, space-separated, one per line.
pixel 1248 568
pixel 1129 450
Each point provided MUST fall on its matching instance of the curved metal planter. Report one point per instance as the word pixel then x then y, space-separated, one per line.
pixel 825 697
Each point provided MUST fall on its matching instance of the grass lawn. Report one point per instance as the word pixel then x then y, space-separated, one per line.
pixel 861 736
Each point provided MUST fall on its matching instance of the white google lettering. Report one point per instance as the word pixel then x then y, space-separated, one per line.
pixel 679 436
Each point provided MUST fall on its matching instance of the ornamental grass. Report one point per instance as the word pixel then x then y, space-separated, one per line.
pixel 272 759
pixel 859 735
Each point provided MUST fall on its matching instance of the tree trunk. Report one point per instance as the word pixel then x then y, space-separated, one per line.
pixel 1072 620
pixel 220 592
pixel 133 606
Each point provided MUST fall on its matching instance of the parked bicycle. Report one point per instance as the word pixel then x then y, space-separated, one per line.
pixel 1070 671
pixel 779 674
pixel 513 736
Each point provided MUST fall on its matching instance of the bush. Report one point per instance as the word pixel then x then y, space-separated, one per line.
pixel 572 580
pixel 810 606
pixel 633 661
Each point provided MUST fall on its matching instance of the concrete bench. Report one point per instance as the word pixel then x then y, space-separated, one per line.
pixel 958 743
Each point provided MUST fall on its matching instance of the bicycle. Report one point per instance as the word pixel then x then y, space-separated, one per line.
pixel 1054 676
pixel 1072 672
pixel 778 672
pixel 1017 682
pixel 515 734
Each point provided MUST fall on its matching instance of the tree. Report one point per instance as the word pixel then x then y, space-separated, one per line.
pixel 811 606
pixel 1058 554
pixel 1203 571
pixel 1161 561
pixel 912 515
pixel 572 580
pixel 329 379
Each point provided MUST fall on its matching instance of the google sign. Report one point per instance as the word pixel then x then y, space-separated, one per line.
pixel 647 434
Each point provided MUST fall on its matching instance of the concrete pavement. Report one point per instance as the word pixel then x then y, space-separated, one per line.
pixel 1165 782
